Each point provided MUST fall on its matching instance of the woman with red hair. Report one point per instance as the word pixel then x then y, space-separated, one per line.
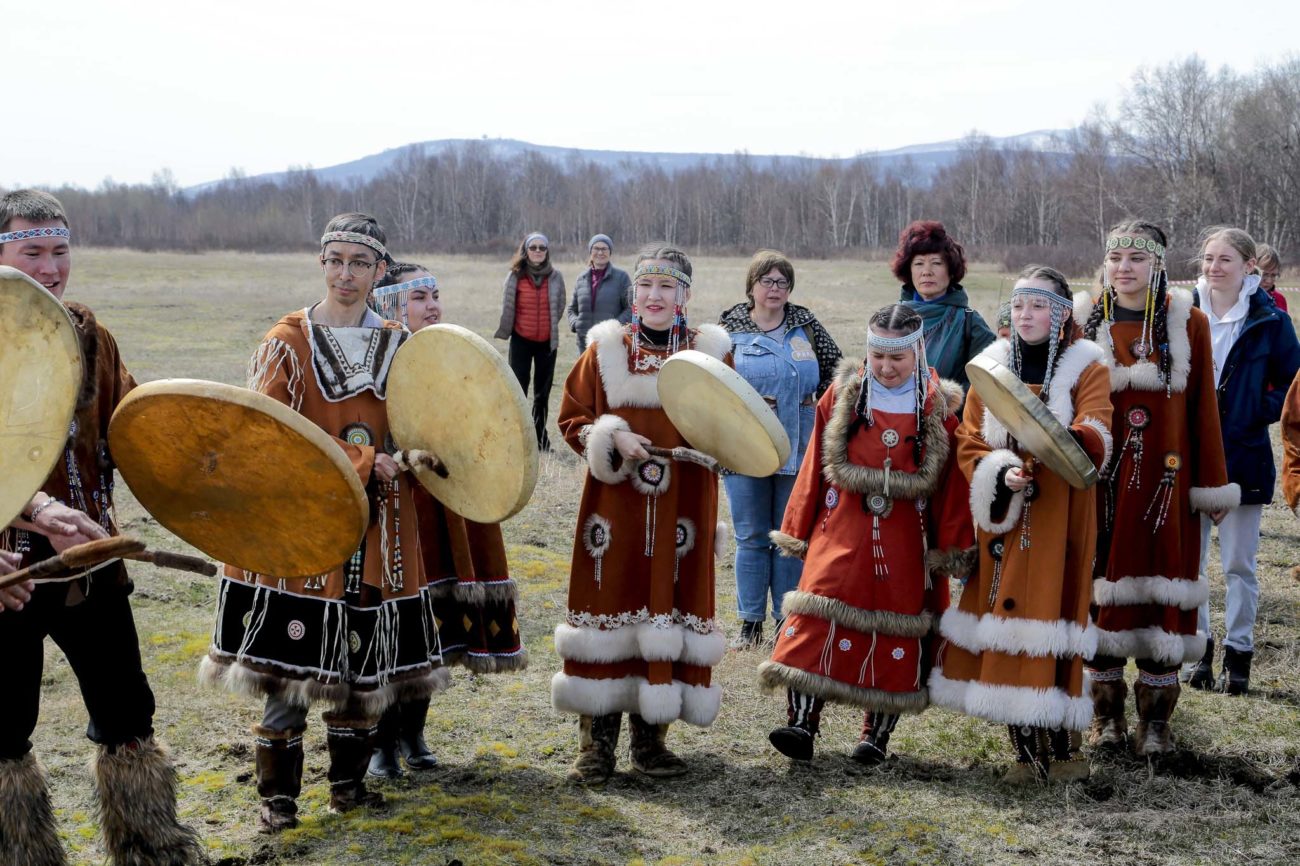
pixel 930 265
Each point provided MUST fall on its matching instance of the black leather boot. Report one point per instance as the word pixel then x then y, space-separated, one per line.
pixel 1235 678
pixel 351 742
pixel 1201 675
pixel 383 760
pixel 803 721
pixel 751 635
pixel 873 745
pixel 410 737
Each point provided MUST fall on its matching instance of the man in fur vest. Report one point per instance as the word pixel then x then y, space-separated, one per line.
pixel 88 614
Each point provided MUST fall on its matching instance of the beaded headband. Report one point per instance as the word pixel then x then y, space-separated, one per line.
pixel 876 341
pixel 354 238
pixel 24 234
pixel 1060 301
pixel 1124 242
pixel 644 270
pixel 409 285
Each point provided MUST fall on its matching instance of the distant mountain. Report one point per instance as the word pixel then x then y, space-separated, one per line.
pixel 926 159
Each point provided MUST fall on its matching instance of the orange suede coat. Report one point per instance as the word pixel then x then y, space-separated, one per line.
pixel 1015 654
pixel 1291 445
pixel 640 634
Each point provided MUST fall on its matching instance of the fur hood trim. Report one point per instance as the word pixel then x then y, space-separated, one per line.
pixel 1144 375
pixel 641 390
pixel 87 327
pixel 1080 355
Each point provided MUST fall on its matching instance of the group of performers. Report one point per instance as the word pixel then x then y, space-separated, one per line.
pixel 900 491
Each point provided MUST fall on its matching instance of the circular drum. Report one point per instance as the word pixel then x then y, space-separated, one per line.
pixel 721 414
pixel 451 393
pixel 40 377
pixel 240 476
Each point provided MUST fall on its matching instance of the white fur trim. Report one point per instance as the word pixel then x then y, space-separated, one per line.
pixel 622 388
pixel 1058 638
pixel 643 640
pixel 983 487
pixel 1152 642
pixel 1107 442
pixel 1069 367
pixel 1144 375
pixel 600 445
pixel 659 644
pixel 712 340
pixel 592 697
pixel 1012 705
pixel 1210 499
pixel 598 645
pixel 705 650
pixel 1082 307
pixel 1175 592
pixel 658 704
pixel 700 704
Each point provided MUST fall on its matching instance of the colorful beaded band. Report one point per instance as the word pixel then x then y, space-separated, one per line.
pixel 417 283
pixel 876 341
pixel 1059 300
pixel 24 234
pixel 644 270
pixel 1124 242
pixel 354 238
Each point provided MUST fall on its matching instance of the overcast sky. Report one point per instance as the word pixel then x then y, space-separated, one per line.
pixel 121 90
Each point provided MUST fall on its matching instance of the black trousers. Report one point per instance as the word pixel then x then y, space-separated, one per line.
pixel 98 637
pixel 535 357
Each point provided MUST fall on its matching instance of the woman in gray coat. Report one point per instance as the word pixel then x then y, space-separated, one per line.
pixel 601 292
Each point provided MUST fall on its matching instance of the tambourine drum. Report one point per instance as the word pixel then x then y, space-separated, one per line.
pixel 240 476
pixel 40 377
pixel 451 393
pixel 721 414
pixel 1030 422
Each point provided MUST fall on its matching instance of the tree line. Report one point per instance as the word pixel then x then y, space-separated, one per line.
pixel 1185 146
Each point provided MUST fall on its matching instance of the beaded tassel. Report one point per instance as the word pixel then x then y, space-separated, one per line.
pixel 651 520
pixel 1164 490
pixel 996 549
pixel 397 581
pixel 635 328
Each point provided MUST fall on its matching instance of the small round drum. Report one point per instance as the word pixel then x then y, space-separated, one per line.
pixel 40 377
pixel 452 394
pixel 721 414
pixel 1030 422
pixel 240 476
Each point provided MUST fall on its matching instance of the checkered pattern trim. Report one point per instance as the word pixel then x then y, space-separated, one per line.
pixel 1158 681
pixel 354 238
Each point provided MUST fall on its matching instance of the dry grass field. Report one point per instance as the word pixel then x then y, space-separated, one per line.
pixel 1230 796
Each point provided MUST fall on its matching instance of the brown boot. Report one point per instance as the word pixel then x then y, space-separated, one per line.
pixel 650 756
pixel 1068 762
pixel 279 777
pixel 1028 743
pixel 136 786
pixel 1155 704
pixel 28 835
pixel 351 741
pixel 1109 728
pixel 597 740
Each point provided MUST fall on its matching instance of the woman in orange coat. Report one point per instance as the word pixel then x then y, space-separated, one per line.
pixel 640 635
pixel 1014 647
pixel 1167 465
pixel 881 518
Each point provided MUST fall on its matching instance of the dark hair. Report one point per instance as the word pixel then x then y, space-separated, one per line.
pixel 1070 331
pixel 763 262
pixel 895 318
pixel 362 224
pixel 519 262
pixel 666 251
pixel 928 236
pixel 396 271
pixel 1151 232
pixel 33 205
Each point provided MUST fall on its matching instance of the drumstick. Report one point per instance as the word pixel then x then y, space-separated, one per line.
pixel 685 455
pixel 92 553
pixel 176 561
pixel 424 459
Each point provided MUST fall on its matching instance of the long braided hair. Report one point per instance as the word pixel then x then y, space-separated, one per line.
pixel 1064 331
pixel 1160 285
pixel 895 320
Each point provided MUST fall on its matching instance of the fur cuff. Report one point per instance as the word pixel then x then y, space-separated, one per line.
pixel 1012 705
pixel 1152 642
pixel 601 452
pixel 1210 499
pixel 700 704
pixel 1174 592
pixel 952 562
pixel 136 787
pixel 1099 429
pixel 788 545
pixel 984 488
pixel 28 831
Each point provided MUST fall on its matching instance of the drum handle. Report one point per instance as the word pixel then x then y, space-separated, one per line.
pixel 92 553
pixel 409 460
pixel 685 455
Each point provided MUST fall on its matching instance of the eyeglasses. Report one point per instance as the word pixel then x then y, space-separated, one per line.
pixel 356 267
pixel 600 249
pixel 534 248
pixel 769 283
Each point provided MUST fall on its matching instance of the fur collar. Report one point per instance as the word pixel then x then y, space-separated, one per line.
pixel 88 336
pixel 1069 367
pixel 641 390
pixel 942 399
pixel 1144 375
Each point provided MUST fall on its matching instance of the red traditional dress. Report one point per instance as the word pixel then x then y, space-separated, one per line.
pixel 877 546
pixel 640 634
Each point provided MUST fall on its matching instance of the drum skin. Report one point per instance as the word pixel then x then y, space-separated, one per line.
pixel 40 377
pixel 451 393
pixel 240 476
pixel 721 414
pixel 1030 422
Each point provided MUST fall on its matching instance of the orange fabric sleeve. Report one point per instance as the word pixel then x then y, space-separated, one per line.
pixel 1291 444
pixel 1093 413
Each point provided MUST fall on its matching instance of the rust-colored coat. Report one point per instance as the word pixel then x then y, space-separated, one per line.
pixel 640 634
pixel 1291 445
pixel 1147 586
pixel 1014 653
pixel 859 629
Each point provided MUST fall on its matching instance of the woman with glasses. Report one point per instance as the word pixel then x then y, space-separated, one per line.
pixel 785 353
pixel 601 292
pixel 530 315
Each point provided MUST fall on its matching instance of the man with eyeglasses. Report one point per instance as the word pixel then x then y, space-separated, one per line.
pixel 333 638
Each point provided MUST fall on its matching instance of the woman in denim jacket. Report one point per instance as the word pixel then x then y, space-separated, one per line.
pixel 785 353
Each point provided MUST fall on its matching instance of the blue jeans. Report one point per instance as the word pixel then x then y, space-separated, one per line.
pixel 757 506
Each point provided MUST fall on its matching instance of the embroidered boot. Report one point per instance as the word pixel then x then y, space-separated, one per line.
pixel 873 744
pixel 650 756
pixel 1109 727
pixel 411 735
pixel 383 760
pixel 136 787
pixel 279 777
pixel 597 740
pixel 1235 679
pixel 28 834
pixel 803 721
pixel 1155 704
pixel 751 636
pixel 351 741
pixel 1201 675
pixel 1067 763
pixel 1030 765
